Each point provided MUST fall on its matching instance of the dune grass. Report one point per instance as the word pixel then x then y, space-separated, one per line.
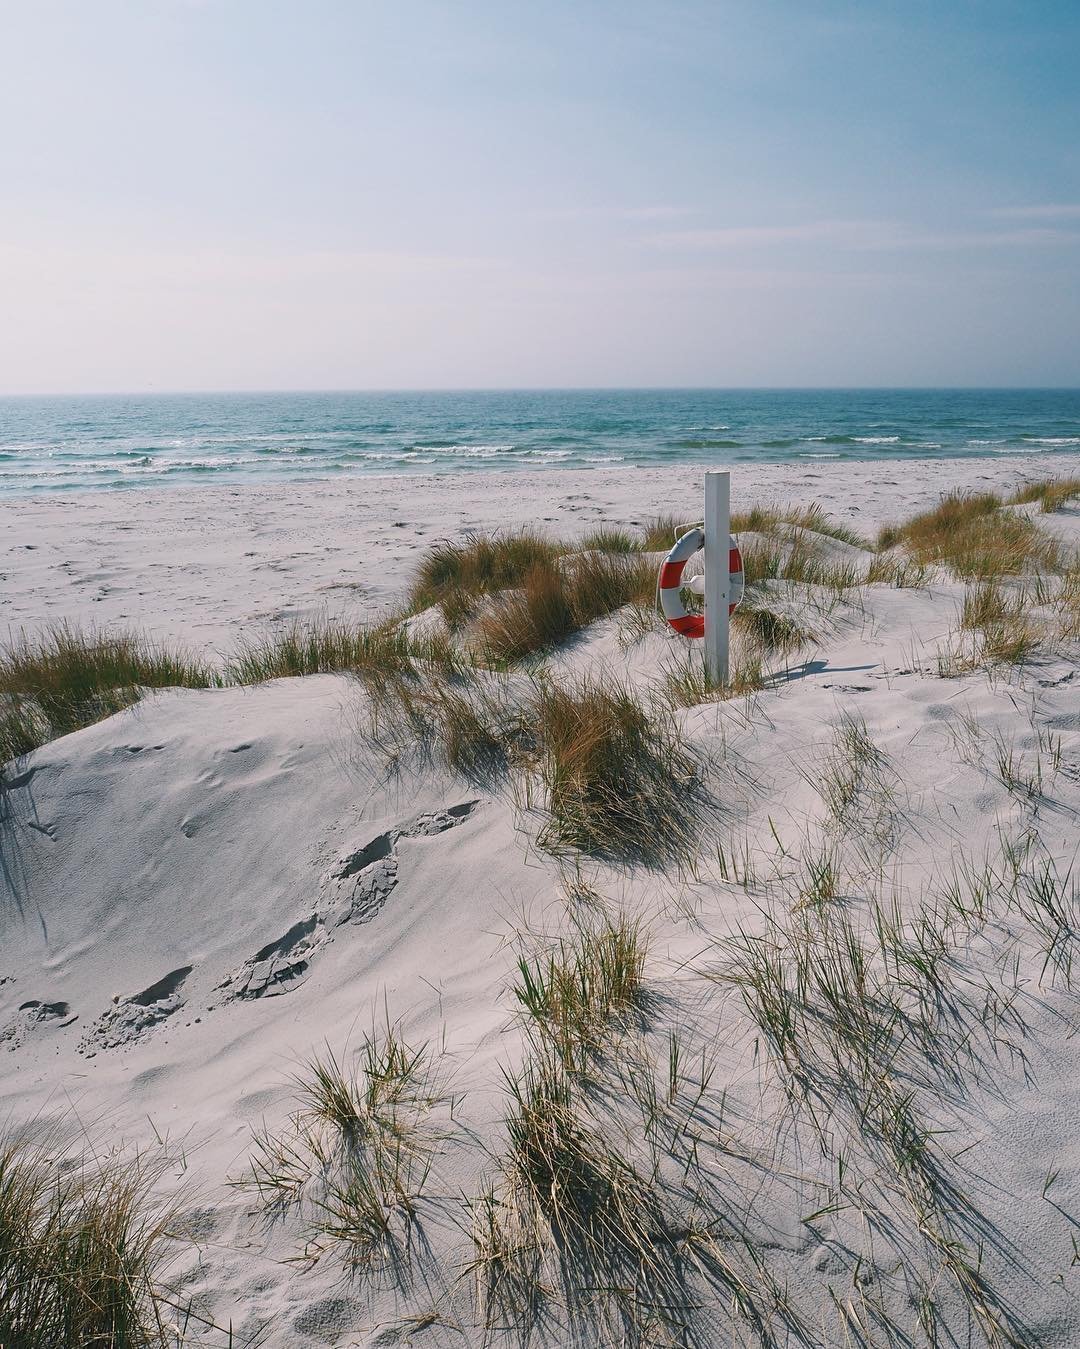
pixel 996 628
pixel 573 1221
pixel 763 561
pixel 601 584
pixel 689 683
pixel 902 573
pixel 955 510
pixel 872 1028
pixel 970 535
pixel 573 993
pixel 762 635
pixel 799 558
pixel 1000 618
pixel 1067 603
pixel 534 618
pixel 570 1179
pixel 455 574
pixel 557 600
pixel 659 532
pixel 602 1221
pixel 1050 493
pixel 323 646
pixel 772 520
pixel 860 790
pixel 320 646
pixel 763 630
pixel 352 1161
pixel 66 678
pixel 82 1250
pixel 853 768
pixel 537 593
pixel 639 621
pixel 615 778
pixel 610 540
pixel 618 780
pixel 474 727
pixel 768 631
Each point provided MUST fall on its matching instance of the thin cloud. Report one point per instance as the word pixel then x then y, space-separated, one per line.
pixel 628 213
pixel 1023 237
pixel 847 232
pixel 652 212
pixel 860 235
pixel 1050 211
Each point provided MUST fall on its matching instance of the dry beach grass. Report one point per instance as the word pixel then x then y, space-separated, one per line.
pixel 68 677
pixel 87 1244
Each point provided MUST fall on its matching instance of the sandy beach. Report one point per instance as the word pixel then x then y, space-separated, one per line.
pixel 204 890
pixel 202 565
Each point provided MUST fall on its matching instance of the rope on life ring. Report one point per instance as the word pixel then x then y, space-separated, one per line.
pixel 671 583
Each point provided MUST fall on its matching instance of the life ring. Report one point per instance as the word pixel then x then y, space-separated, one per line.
pixel 671 582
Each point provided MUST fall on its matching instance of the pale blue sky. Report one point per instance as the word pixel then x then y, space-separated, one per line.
pixel 261 194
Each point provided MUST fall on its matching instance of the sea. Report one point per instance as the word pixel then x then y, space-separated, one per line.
pixel 128 442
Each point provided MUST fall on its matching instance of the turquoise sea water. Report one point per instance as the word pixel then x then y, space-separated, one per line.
pixel 74 444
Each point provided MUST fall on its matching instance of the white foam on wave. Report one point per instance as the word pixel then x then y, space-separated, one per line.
pixel 208 461
pixel 872 440
pixel 268 436
pixel 467 451
pixel 33 471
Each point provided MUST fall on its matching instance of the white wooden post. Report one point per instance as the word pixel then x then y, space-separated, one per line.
pixel 717 574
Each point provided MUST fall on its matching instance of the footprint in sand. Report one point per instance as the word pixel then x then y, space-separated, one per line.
pixel 33 1017
pixel 357 886
pixel 278 967
pixel 132 1018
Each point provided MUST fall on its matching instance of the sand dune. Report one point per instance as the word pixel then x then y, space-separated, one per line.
pixel 202 891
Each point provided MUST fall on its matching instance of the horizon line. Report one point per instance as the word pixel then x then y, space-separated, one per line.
pixel 546 388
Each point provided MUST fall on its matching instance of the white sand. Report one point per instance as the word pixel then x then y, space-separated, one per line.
pixel 199 565
pixel 161 851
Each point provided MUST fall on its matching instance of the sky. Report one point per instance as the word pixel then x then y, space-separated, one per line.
pixel 338 194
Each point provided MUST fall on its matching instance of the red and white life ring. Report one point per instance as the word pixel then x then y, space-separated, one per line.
pixel 671 582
